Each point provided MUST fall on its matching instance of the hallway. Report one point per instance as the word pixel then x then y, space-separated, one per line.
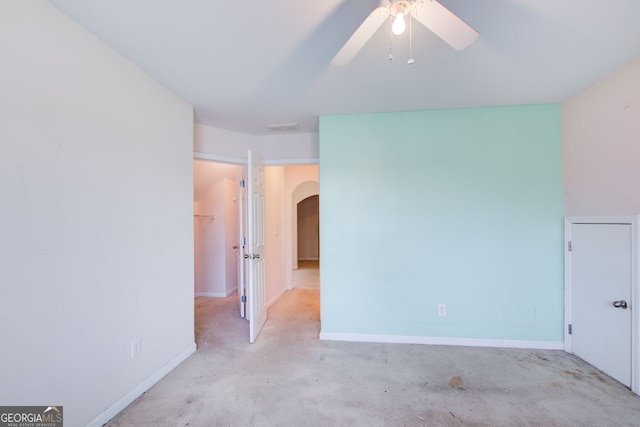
pixel 303 301
pixel 307 275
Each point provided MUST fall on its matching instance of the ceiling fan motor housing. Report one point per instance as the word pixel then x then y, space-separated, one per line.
pixel 400 6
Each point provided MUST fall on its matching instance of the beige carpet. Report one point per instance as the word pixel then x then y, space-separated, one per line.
pixel 307 275
pixel 298 304
pixel 290 378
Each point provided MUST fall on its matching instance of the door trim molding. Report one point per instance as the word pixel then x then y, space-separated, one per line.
pixel 219 159
pixel 633 221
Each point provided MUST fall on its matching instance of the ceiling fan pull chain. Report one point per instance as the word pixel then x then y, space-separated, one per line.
pixel 411 60
pixel 390 37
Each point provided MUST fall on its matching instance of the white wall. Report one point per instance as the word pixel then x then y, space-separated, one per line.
pixel 275 200
pixel 287 148
pixel 601 146
pixel 95 220
pixel 279 149
pixel 220 144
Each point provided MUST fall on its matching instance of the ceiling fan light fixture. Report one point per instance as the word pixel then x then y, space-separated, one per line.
pixel 430 13
pixel 399 26
pixel 400 9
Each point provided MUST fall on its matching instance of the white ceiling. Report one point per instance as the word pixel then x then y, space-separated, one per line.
pixel 245 65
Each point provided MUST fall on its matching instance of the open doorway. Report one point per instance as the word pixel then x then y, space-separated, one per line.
pixel 293 202
pixel 305 203
pixel 216 207
pixel 218 201
pixel 307 275
pixel 308 229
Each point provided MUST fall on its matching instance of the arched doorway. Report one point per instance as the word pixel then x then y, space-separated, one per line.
pixel 309 229
pixel 303 191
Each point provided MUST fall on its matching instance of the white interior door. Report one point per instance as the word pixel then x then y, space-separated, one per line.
pixel 601 277
pixel 256 282
pixel 242 290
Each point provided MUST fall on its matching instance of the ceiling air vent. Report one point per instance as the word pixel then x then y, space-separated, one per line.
pixel 283 127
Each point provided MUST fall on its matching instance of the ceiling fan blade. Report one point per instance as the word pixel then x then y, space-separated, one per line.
pixel 361 36
pixel 453 30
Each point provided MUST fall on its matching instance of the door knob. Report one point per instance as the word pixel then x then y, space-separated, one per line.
pixel 247 256
pixel 256 256
pixel 620 304
pixel 235 246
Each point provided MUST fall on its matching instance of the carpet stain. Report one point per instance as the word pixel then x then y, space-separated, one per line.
pixel 455 382
pixel 598 376
pixel 575 374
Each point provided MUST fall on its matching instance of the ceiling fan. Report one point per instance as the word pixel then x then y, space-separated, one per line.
pixel 453 30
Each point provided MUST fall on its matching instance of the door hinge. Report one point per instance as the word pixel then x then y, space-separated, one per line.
pixel 242 183
pixel 244 298
pixel 570 329
pixel 569 245
pixel 244 241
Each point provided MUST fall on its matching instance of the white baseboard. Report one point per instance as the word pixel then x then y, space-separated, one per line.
pixel 466 342
pixel 211 295
pixel 216 294
pixel 274 299
pixel 115 409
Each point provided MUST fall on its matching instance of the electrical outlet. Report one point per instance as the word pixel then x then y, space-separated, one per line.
pixel 136 348
pixel 442 310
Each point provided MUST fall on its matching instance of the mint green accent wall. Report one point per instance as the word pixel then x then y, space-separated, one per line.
pixel 461 207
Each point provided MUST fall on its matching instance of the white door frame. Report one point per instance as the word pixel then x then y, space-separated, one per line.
pixel 242 161
pixel 634 222
pixel 242 169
